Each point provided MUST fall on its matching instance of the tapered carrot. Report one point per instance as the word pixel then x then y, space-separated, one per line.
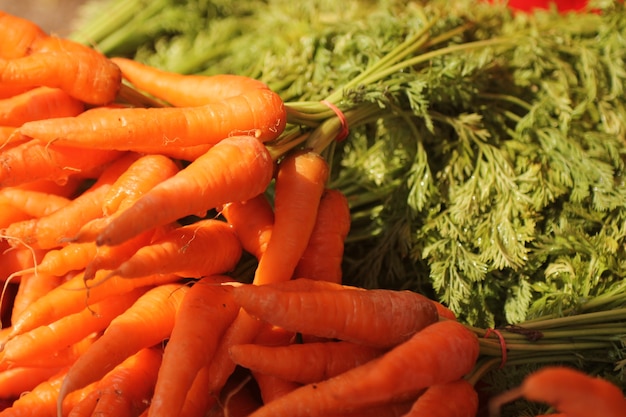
pixel 378 318
pixel 323 359
pixel 16 381
pixel 323 256
pixel 252 220
pixel 68 329
pixel 451 399
pixel 204 314
pixel 272 387
pixel 237 168
pixel 34 203
pixel 199 400
pixel 442 352
pixel 182 90
pixel 36 104
pixel 36 160
pixel 569 391
pixel 147 322
pixel 18 35
pixel 32 286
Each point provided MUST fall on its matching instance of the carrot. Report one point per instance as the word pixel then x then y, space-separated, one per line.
pixel 323 359
pixel 199 400
pixel 239 398
pixel 35 160
pixel 126 390
pixel 322 258
pixel 36 104
pixel 32 286
pixel 569 391
pixel 17 35
pixel 68 329
pixel 451 399
pixel 252 220
pixel 237 168
pixel 34 203
pixel 441 352
pixel 202 248
pixel 379 318
pixel 204 314
pixel 273 387
pixel 16 381
pixel 48 231
pixel 147 322
pixel 10 214
pixel 69 188
pixel 16 258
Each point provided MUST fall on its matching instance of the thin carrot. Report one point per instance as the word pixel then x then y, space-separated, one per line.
pixel 442 352
pixel 36 160
pixel 147 322
pixel 273 387
pixel 32 286
pixel 16 381
pixel 68 329
pixel 34 203
pixel 258 112
pixel 569 391
pixel 379 318
pixel 237 168
pixel 323 359
pixel 18 35
pixel 252 220
pixel 16 258
pixel 36 104
pixel 239 398
pixel 199 400
pixel 323 256
pixel 451 399
pixel 204 314
pixel 202 248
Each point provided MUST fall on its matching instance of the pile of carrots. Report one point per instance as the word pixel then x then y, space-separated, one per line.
pixel 122 231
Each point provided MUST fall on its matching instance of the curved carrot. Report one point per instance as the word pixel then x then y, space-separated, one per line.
pixel 252 220
pixel 379 318
pixel 451 399
pixel 147 322
pixel 16 381
pixel 183 90
pixel 442 352
pixel 34 203
pixel 323 256
pixel 569 391
pixel 34 160
pixel 18 35
pixel 204 314
pixel 323 359
pixel 237 168
pixel 37 104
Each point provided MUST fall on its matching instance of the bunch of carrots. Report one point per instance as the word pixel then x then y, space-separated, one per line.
pixel 124 228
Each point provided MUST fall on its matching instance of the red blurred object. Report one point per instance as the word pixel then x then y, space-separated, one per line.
pixel 561 5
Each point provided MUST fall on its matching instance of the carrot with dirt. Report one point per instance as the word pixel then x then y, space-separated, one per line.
pixel 35 160
pixel 204 314
pixel 149 321
pixel 379 318
pixel 18 35
pixel 37 104
pixel 442 352
pixel 568 390
pixel 436 401
pixel 323 256
pixel 237 168
pixel 323 359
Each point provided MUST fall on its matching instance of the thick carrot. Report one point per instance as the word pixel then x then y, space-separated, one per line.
pixel 569 391
pixel 68 329
pixel 182 90
pixel 442 352
pixel 237 168
pixel 379 318
pixel 32 286
pixel 147 322
pixel 18 35
pixel 16 381
pixel 34 203
pixel 323 256
pixel 204 314
pixel 451 399
pixel 323 359
pixel 252 220
pixel 36 160
pixel 37 104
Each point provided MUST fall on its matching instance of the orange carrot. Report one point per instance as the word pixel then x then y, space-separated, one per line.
pixel 32 287
pixel 252 220
pixel 239 398
pixel 273 387
pixel 183 90
pixel 17 381
pixel 34 203
pixel 16 258
pixel 323 359
pixel 10 214
pixel 569 391
pixel 204 314
pixel 17 35
pixel 37 104
pixel 35 160
pixel 323 255
pixel 147 322
pixel 451 399
pixel 442 352
pixel 199 400
pixel 68 329
pixel 237 168
pixel 202 248
pixel 379 318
